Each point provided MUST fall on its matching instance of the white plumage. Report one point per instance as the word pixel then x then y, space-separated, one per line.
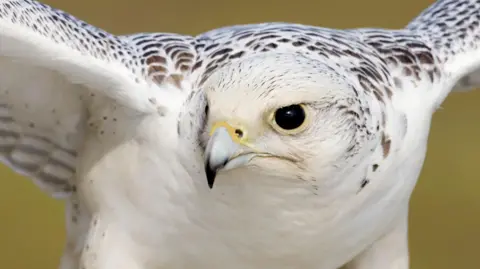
pixel 255 146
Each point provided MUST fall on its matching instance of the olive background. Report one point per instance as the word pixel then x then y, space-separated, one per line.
pixel 445 208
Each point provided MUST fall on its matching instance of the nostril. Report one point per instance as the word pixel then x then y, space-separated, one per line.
pixel 239 133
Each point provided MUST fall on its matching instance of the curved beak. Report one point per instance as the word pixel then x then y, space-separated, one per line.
pixel 224 150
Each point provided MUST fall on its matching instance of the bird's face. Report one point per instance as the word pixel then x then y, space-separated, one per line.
pixel 278 115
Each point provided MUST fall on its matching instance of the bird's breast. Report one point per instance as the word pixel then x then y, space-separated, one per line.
pixel 246 226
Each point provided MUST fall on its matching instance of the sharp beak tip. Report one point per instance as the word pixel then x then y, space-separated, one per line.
pixel 211 174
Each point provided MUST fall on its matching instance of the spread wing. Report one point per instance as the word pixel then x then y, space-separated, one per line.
pixel 50 64
pixel 453 29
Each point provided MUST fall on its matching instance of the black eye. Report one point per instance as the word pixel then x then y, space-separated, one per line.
pixel 290 117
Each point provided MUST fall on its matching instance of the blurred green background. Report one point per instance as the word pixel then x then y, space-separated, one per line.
pixel 445 210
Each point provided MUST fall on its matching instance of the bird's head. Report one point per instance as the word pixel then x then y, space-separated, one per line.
pixel 281 115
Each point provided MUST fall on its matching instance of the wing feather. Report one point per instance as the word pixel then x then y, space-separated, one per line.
pixel 453 29
pixel 38 35
pixel 51 63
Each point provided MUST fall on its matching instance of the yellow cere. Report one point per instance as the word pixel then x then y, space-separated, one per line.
pixel 239 139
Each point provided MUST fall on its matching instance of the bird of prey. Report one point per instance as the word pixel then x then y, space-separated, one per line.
pixel 258 146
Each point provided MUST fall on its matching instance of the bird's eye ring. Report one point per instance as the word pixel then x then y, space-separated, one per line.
pixel 290 119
